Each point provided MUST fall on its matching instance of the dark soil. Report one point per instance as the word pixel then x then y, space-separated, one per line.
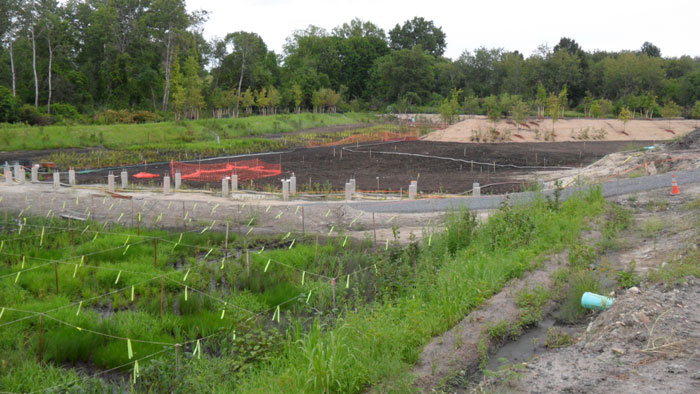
pixel 689 141
pixel 324 165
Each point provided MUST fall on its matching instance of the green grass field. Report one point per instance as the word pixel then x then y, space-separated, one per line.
pixel 282 325
pixel 168 135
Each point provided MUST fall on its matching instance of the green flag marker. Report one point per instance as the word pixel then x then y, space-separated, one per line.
pixel 251 229
pixel 95 238
pixel 86 227
pixel 387 245
pixel 2 245
pixel 251 221
pixel 294 240
pixel 345 240
pixel 49 212
pixel 261 250
pixel 127 240
pixel 223 260
pixel 347 282
pixel 208 253
pixel 376 271
pixel 391 218
pixel 286 235
pixel 132 293
pixel 297 210
pixel 64 205
pixel 136 370
pixel 332 227
pixel 2 312
pixel 430 239
pixel 118 276
pixel 303 276
pixel 186 273
pixel 17 278
pixel 214 209
pixel 279 215
pixel 267 265
pixel 125 249
pixel 185 293
pixel 75 271
pixel 80 305
pixel 24 260
pixel 41 240
pixel 198 350
pixel 309 296
pixel 82 260
pixel 223 312
pixel 328 212
pixel 267 209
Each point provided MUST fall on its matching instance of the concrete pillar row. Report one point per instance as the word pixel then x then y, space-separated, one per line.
pixel 285 189
pixel 178 180
pixel 110 183
pixel 35 173
pixel 234 182
pixel 224 187
pixel 476 189
pixel 56 180
pixel 166 185
pixel 125 179
pixel 71 177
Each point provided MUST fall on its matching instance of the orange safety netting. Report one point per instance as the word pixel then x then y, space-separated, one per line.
pixel 386 136
pixel 245 169
pixel 145 175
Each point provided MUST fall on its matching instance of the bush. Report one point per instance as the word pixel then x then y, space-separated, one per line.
pixel 30 115
pixel 144 116
pixel 8 106
pixel 65 111
pixel 579 283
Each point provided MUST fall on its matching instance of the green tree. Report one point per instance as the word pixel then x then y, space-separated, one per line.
pixel 553 108
pixel 696 113
pixel 418 32
pixel 450 107
pixel 541 99
pixel 297 96
pixel 177 90
pixel 8 106
pixel 192 85
pixel 670 110
pixel 405 70
pixel 519 111
pixel 625 116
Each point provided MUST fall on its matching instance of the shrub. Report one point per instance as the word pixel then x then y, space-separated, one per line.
pixel 144 116
pixel 65 111
pixel 579 283
pixel 8 106
pixel 30 115
pixel 557 338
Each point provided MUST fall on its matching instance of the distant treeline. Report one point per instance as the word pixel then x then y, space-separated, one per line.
pixel 79 58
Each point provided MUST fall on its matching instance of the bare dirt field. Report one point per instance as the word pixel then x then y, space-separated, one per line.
pixel 469 129
pixel 333 166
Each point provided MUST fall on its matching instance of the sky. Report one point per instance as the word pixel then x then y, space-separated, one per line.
pixel 609 25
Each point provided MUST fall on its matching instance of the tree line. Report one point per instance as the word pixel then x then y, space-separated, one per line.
pixel 149 57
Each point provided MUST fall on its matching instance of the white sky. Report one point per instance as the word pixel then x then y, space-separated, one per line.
pixel 511 24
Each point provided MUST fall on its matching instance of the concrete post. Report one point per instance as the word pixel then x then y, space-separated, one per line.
pixel 234 183
pixel 35 173
pixel 353 186
pixel 110 183
pixel 166 185
pixel 178 180
pixel 285 189
pixel 125 179
pixel 71 177
pixel 17 168
pixel 476 189
pixel 56 180
pixel 293 185
pixel 412 190
pixel 21 177
pixel 8 176
pixel 348 191
pixel 224 187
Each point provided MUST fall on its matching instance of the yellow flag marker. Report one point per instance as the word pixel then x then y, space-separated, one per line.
pixel 80 305
pixel 292 244
pixel 132 293
pixel 24 260
pixel 259 252
pixel 2 244
pixel 297 210
pixel 129 351
pixel 2 311
pixel 111 206
pixel 267 265
pixel 194 207
pixel 332 227
pixel 277 313
pixel 49 212
pixel 223 311
pixel 345 240
pixel 223 260
pixel 354 220
pixel 286 235
pixel 64 205
pixel 169 204
pixel 17 278
pixel 208 253
pixel 267 209
pixel 96 234
pixel 186 273
pixel 376 271
pixel 125 249
pixel 77 201
pixel 279 215
pixel 198 350
pixel 185 293
pixel 127 240
pixel 75 271
pixel 387 245
pixel 120 217
pixel 327 213
pixel 118 276
pixel 251 229
pixel 347 282
pixel 82 260
pixel 41 240
pixel 430 239
pixel 250 221
pixel 309 296
pixel 214 209
pixel 186 215
pixel 86 227
pixel 303 276
pixel 391 218
pixel 137 373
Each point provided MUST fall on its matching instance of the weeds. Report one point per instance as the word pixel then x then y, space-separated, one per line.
pixel 557 338
pixel 579 282
pixel 531 303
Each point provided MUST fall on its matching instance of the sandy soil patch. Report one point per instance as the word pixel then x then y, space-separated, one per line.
pixel 478 129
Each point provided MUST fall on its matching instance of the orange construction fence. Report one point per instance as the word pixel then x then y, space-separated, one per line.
pixel 245 169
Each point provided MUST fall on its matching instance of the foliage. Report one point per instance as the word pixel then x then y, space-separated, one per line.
pixel 628 278
pixel 557 338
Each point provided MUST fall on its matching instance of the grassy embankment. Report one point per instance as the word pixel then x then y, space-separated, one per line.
pixel 395 301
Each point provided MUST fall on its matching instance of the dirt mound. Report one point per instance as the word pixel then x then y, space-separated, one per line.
pixel 480 129
pixel 688 141
pixel 646 342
